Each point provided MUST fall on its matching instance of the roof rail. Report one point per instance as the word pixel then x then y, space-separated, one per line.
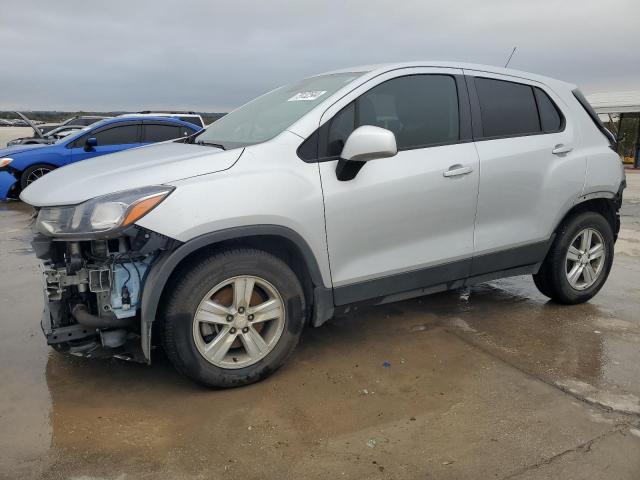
pixel 168 111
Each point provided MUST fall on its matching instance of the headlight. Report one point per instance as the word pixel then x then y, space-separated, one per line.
pixel 5 161
pixel 100 216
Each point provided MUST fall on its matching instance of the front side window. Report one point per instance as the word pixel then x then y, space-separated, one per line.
pixel 271 114
pixel 340 127
pixel 421 110
pixel 507 108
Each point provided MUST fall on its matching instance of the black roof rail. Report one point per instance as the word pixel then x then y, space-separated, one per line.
pixel 168 111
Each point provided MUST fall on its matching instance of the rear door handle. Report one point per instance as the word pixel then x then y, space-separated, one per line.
pixel 455 170
pixel 560 149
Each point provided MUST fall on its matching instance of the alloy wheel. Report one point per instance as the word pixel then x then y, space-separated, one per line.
pixel 36 174
pixel 585 259
pixel 238 322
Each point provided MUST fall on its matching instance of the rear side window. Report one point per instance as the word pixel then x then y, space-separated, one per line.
pixel 507 108
pixel 160 133
pixel 118 135
pixel 550 117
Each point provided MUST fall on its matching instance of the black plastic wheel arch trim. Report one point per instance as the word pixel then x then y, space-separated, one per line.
pixel 167 262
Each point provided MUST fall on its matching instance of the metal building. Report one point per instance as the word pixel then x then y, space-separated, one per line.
pixel 621 111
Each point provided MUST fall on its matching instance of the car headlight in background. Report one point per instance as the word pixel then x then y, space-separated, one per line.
pixel 100 216
pixel 5 161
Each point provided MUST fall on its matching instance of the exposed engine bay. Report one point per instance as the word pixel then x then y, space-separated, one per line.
pixel 93 289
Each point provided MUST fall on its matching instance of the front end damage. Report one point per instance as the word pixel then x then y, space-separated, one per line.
pixel 93 290
pixel 9 185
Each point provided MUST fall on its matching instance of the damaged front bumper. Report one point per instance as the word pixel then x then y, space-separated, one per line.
pixel 93 290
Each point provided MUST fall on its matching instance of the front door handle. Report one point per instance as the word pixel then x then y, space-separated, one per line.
pixel 455 170
pixel 560 149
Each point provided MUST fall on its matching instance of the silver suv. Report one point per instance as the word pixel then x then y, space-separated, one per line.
pixel 369 184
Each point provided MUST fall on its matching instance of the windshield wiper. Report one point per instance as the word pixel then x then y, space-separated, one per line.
pixel 209 144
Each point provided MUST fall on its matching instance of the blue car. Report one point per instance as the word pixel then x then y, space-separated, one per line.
pixel 21 165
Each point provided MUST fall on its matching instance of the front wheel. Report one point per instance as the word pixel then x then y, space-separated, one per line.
pixel 33 173
pixel 579 260
pixel 233 317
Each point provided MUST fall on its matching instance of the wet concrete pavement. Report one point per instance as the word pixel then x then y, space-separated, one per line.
pixel 504 385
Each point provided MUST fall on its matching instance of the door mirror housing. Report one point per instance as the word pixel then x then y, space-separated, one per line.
pixel 365 143
pixel 90 144
pixel 369 143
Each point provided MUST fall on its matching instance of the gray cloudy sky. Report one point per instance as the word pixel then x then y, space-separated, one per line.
pixel 213 56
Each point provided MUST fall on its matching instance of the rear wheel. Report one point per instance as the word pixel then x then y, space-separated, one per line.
pixel 579 260
pixel 233 318
pixel 33 173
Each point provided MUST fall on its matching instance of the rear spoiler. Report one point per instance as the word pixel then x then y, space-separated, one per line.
pixel 594 117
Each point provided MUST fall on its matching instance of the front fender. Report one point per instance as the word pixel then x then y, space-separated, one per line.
pixel 167 262
pixel 50 157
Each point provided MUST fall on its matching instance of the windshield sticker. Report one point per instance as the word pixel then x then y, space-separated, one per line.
pixel 307 96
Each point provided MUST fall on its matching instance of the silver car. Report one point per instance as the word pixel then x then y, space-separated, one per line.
pixel 364 185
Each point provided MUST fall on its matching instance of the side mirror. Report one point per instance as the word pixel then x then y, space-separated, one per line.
pixel 90 144
pixel 365 143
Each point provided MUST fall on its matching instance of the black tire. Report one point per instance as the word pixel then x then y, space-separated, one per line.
pixel 24 178
pixel 551 280
pixel 199 277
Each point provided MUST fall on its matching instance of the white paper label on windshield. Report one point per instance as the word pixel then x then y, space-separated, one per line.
pixel 307 96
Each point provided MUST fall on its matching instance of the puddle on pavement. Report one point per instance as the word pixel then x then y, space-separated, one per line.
pixel 595 345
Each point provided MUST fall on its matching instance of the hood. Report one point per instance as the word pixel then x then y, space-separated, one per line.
pixel 138 167
pixel 36 130
pixel 16 149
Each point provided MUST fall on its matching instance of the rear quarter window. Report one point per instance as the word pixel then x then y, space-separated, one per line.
pixel 550 116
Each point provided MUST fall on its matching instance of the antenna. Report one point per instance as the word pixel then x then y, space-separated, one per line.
pixel 509 59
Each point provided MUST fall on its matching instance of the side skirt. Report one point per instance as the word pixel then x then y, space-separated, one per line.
pixel 521 260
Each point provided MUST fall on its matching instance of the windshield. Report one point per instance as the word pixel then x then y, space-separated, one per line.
pixel 268 115
pixel 72 136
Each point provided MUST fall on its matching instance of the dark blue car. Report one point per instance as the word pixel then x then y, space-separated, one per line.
pixel 22 164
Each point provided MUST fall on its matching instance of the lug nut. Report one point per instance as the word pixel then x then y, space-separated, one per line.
pixel 241 310
pixel 233 330
pixel 250 317
pixel 245 329
pixel 229 318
